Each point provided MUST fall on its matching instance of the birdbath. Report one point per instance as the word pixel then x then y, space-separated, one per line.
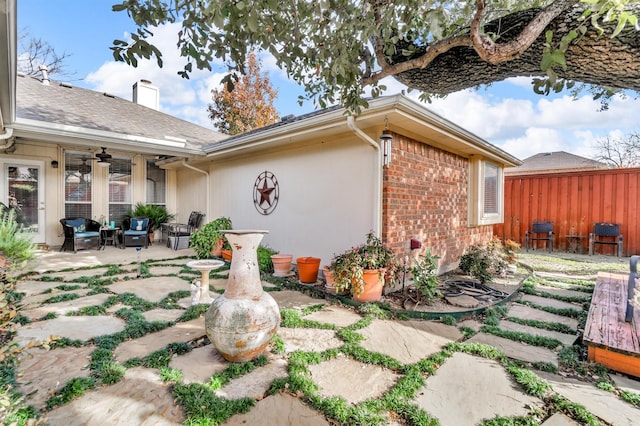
pixel 204 266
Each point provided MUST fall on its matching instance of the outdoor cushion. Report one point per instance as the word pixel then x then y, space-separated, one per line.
pixel 139 224
pixel 87 234
pixel 77 225
pixel 132 232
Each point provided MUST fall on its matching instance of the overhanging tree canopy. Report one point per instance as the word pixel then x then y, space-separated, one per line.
pixel 337 48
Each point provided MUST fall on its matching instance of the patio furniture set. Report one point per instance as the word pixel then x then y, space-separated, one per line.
pixel 603 233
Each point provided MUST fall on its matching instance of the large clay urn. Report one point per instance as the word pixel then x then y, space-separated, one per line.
pixel 241 322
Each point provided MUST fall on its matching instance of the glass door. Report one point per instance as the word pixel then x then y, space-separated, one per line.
pixel 22 191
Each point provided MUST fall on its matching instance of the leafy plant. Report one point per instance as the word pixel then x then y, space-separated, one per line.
pixel 16 246
pixel 265 263
pixel 349 267
pixel 156 214
pixel 207 237
pixel 484 262
pixel 425 276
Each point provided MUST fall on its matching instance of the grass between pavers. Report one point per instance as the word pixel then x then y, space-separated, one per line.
pixel 396 400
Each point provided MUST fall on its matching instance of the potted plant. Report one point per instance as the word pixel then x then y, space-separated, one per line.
pixel 157 215
pixel 365 269
pixel 209 240
pixel 329 281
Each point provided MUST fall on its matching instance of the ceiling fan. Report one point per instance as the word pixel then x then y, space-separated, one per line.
pixel 103 158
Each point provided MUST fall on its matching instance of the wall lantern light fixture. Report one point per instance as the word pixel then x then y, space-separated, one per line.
pixel 385 141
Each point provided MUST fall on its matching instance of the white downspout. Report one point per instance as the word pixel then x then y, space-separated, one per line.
pixel 189 166
pixel 7 136
pixel 377 196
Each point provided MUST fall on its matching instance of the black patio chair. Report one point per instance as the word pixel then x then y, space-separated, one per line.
pixel 540 231
pixel 607 234
pixel 135 232
pixel 80 233
pixel 178 234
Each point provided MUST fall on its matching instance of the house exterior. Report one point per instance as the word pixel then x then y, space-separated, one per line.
pixel 318 183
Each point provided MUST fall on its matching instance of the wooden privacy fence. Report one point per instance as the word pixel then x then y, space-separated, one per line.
pixel 574 201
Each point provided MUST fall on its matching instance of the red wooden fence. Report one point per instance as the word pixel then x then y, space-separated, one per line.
pixel 574 201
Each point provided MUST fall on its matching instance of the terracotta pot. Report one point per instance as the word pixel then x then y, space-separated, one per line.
pixel 373 283
pixel 281 264
pixel 329 282
pixel 241 322
pixel 308 269
pixel 216 250
pixel 227 255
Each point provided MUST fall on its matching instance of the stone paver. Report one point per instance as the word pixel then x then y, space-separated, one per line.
pixel 294 299
pixel 336 315
pixel 463 301
pixel 29 287
pixel 75 328
pixel 164 270
pixel 30 302
pixel 564 292
pixel 468 389
pixel 140 398
pixel 565 339
pixel 181 332
pixel 69 276
pixel 256 383
pixel 307 339
pixel 601 403
pixel 559 419
pixel 41 372
pixel 199 364
pixel 516 350
pixel 358 381
pixel 525 312
pixel 281 410
pixel 626 383
pixel 550 302
pixel 218 283
pixel 403 341
pixel 62 308
pixel 162 314
pixel 152 289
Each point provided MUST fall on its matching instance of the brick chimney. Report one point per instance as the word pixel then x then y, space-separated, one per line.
pixel 145 94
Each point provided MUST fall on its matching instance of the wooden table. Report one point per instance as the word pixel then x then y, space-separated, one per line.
pixel 575 243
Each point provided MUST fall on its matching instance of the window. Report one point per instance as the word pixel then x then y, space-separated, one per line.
pixel 119 188
pixel 77 184
pixel 156 184
pixel 485 193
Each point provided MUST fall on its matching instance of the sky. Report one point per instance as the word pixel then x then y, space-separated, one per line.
pixel 507 114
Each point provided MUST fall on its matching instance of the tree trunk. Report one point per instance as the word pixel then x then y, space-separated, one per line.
pixel 598 60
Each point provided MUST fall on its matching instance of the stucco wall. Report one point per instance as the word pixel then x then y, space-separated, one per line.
pixel 325 196
pixel 425 198
pixel 191 194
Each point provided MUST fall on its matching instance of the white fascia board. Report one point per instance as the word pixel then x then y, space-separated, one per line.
pixel 8 43
pixel 62 133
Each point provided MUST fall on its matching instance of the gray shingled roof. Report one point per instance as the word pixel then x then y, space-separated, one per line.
pixel 557 161
pixel 74 106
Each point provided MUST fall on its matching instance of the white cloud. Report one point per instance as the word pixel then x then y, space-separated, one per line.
pixel 534 140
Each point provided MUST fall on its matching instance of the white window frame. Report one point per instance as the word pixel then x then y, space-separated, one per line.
pixel 477 215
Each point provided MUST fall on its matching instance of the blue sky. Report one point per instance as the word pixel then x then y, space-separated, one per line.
pixel 507 114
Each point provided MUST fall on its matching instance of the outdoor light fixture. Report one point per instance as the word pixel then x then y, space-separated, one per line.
pixel 54 164
pixel 385 140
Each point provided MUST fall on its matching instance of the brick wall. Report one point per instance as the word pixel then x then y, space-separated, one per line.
pixel 425 197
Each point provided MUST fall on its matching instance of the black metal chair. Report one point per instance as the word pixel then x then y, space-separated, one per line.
pixel 178 233
pixel 135 232
pixel 80 233
pixel 607 234
pixel 540 231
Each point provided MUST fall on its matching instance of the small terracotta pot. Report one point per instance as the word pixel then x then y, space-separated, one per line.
pixel 227 254
pixel 373 283
pixel 308 269
pixel 281 264
pixel 329 282
pixel 216 250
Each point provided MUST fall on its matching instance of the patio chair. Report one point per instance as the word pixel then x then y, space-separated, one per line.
pixel 80 233
pixel 135 232
pixel 178 234
pixel 540 231
pixel 607 234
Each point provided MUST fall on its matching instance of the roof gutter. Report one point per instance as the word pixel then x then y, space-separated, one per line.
pixel 377 191
pixel 204 172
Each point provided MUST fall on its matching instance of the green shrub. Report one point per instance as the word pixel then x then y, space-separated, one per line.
pixel 16 246
pixel 425 276
pixel 264 259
